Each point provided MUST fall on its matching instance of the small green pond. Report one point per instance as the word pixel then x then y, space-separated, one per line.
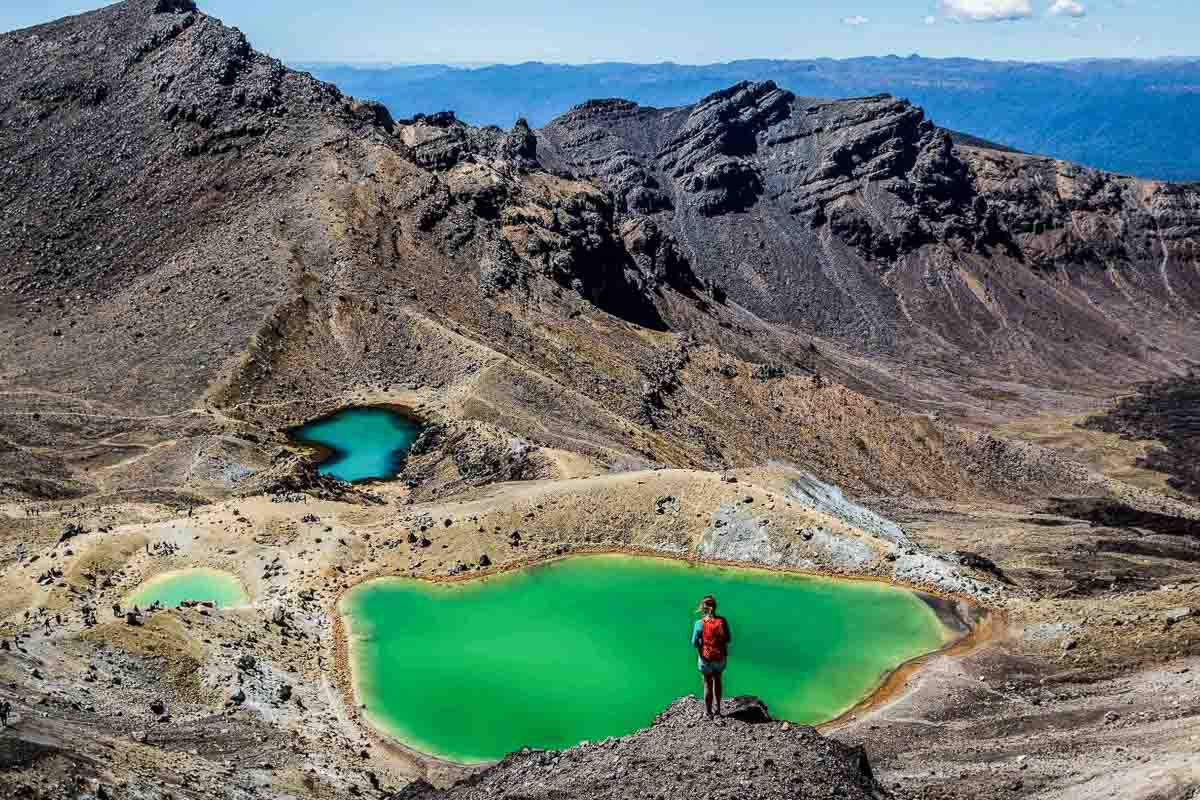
pixel 363 443
pixel 595 646
pixel 172 588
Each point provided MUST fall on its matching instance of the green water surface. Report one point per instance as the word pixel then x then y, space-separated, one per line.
pixel 595 646
pixel 365 443
pixel 172 588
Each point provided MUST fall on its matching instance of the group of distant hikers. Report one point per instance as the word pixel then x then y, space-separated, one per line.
pixel 711 637
pixel 73 510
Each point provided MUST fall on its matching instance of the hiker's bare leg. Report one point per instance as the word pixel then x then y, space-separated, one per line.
pixel 717 691
pixel 708 692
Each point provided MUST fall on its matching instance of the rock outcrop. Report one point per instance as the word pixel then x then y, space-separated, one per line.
pixel 455 456
pixel 681 755
pixel 862 221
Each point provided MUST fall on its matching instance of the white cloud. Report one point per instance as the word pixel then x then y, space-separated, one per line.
pixel 856 20
pixel 931 20
pixel 986 10
pixel 1068 8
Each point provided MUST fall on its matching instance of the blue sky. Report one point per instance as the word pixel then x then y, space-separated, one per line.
pixel 687 31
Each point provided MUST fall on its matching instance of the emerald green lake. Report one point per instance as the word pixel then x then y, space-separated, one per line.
pixel 596 646
pixel 172 588
pixel 363 443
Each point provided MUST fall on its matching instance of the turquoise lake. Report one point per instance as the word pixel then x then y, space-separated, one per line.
pixel 595 646
pixel 363 443
pixel 172 588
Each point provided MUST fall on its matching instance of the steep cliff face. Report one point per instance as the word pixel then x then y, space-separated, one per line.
pixel 861 221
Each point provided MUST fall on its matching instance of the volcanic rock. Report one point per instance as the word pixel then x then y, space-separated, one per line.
pixel 1177 615
pixel 754 176
pixel 680 756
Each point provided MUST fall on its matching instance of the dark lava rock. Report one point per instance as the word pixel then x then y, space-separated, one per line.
pixel 1167 411
pixel 680 756
pixel 976 561
pixel 438 119
pixel 70 531
pixel 454 455
pixel 520 145
pixel 747 709
pixel 1114 514
pixel 296 475
pixel 1157 546
pixel 484 561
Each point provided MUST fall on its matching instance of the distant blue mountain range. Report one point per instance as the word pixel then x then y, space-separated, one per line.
pixel 1133 117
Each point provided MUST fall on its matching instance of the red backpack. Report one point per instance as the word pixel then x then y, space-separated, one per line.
pixel 713 638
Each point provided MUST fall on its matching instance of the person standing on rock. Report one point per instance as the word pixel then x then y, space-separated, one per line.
pixel 711 637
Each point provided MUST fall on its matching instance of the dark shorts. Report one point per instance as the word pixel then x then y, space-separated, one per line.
pixel 711 667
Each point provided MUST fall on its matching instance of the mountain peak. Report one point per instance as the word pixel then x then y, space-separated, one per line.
pixel 746 89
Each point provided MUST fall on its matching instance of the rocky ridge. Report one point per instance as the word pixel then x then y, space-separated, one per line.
pixel 860 220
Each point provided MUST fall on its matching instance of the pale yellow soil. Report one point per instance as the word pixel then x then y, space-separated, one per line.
pixel 1106 453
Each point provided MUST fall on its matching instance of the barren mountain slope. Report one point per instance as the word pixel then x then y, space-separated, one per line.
pixel 207 247
pixel 862 222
